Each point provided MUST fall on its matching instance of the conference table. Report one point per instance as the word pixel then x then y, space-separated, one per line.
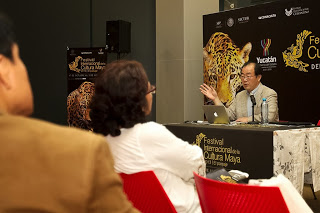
pixel 262 151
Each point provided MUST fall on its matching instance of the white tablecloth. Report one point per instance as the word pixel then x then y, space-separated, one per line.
pixel 296 153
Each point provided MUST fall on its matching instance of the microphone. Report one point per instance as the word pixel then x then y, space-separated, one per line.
pixel 253 100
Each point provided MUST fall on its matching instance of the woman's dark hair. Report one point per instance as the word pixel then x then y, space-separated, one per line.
pixel 120 97
pixel 7 36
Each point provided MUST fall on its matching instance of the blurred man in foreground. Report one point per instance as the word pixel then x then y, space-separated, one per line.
pixel 46 167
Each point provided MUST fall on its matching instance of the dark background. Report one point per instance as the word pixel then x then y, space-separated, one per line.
pixel 298 94
pixel 46 28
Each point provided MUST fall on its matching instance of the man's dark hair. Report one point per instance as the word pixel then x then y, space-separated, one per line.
pixel 257 67
pixel 120 97
pixel 7 36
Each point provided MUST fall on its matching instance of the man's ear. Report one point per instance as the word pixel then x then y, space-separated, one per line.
pixel 259 77
pixel 5 72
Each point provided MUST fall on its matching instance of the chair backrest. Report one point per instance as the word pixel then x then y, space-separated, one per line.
pixel 146 192
pixel 216 196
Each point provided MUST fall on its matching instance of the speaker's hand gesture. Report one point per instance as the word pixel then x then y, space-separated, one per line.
pixel 208 91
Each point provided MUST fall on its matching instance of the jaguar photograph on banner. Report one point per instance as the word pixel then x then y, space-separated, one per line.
pixel 84 64
pixel 283 37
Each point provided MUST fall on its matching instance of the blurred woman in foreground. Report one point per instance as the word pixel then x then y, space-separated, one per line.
pixel 122 100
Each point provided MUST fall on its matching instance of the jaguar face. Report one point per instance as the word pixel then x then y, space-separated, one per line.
pixel 223 61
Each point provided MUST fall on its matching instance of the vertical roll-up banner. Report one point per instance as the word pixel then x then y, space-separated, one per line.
pixel 83 66
pixel 283 37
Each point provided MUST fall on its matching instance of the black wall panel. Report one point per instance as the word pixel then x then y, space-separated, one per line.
pixel 46 28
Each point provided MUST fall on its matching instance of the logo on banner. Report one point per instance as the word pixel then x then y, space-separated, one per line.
pixel 288 12
pixel 243 20
pixel 86 53
pixel 199 139
pixel 292 56
pixel 267 16
pixel 296 11
pixel 218 24
pixel 101 52
pixel 230 22
pixel 265 44
pixel 293 53
pixel 73 66
pixel 216 153
pixel 267 62
pixel 86 65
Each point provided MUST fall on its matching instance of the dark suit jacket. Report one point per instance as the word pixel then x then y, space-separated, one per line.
pixel 50 168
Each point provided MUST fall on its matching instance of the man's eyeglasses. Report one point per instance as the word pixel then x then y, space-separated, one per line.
pixel 152 90
pixel 246 77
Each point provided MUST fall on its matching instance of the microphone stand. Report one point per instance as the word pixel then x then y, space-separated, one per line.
pixel 253 100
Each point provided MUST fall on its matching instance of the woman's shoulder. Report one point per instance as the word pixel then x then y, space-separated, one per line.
pixel 152 128
pixel 152 125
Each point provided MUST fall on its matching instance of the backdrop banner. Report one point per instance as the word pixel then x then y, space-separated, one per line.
pixel 84 64
pixel 283 37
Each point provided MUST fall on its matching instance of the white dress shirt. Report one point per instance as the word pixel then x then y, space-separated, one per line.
pixel 151 146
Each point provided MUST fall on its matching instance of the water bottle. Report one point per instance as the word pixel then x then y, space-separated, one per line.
pixel 264 111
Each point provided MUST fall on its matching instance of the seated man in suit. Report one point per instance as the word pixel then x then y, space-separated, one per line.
pixel 46 167
pixel 241 108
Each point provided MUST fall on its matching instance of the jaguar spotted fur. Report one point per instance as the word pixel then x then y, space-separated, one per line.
pixel 222 65
pixel 78 105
